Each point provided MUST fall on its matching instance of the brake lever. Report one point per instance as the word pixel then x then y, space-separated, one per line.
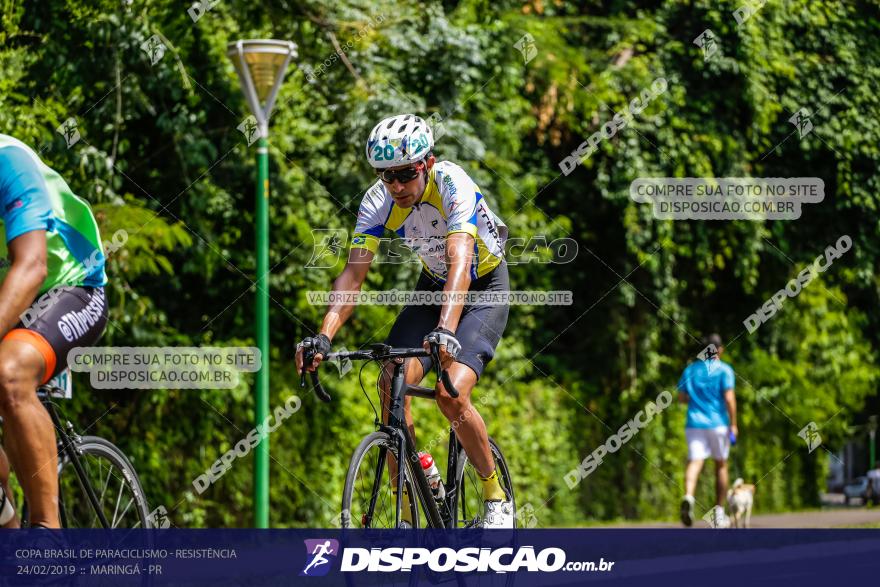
pixel 447 383
pixel 319 389
pixel 308 358
pixel 442 374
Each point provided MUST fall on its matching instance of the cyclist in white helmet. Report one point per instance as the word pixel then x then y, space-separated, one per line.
pixel 440 213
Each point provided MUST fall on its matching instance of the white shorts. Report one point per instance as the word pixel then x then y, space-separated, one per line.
pixel 706 442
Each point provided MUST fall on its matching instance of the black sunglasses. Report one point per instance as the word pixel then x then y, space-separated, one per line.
pixel 405 175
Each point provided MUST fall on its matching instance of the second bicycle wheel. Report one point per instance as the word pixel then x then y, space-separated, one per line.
pixel 367 500
pixel 113 482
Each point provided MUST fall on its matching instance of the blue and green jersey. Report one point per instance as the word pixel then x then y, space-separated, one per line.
pixel 33 196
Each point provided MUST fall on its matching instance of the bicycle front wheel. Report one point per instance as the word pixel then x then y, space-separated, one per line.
pixel 110 478
pixel 367 500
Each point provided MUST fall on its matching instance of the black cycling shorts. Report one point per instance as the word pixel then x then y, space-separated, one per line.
pixel 60 320
pixel 479 329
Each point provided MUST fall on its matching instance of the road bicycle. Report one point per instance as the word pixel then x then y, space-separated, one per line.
pixel 97 484
pixel 367 500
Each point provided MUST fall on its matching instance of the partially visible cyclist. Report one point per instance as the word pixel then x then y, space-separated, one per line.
pixel 440 213
pixel 51 300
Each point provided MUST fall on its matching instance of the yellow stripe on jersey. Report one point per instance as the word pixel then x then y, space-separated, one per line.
pixel 432 195
pixel 397 217
pixel 486 260
pixel 468 228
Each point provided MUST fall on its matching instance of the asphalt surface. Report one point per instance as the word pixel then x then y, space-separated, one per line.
pixel 837 517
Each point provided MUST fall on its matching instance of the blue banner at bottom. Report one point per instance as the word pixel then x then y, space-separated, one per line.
pixel 429 557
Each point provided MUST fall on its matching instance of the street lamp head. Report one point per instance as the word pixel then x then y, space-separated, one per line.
pixel 260 64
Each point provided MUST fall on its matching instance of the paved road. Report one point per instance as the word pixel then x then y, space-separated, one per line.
pixel 829 518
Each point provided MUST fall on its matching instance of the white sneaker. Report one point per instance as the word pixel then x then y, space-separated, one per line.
pixel 498 515
pixel 717 518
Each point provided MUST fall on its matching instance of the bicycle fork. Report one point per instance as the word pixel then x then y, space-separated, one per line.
pixel 67 443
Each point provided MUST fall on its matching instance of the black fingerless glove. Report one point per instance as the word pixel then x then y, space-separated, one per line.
pixel 314 345
pixel 321 344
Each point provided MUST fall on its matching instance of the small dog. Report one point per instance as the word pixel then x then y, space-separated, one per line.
pixel 740 498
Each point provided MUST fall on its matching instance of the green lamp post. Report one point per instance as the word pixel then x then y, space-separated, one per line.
pixel 260 64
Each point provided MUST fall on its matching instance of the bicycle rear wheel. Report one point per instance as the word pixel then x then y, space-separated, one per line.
pixel 467 507
pixel 367 500
pixel 113 481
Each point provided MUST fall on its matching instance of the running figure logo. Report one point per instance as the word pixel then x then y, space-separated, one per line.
pixel 810 434
pixel 801 121
pixel 706 41
pixel 317 564
pixel 250 129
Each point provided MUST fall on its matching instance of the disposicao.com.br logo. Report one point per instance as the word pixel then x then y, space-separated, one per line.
pixel 463 560
pixel 443 559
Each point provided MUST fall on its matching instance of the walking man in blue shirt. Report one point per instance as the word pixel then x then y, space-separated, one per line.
pixel 706 386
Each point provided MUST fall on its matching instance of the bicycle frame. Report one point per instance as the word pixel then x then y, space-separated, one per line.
pixel 406 447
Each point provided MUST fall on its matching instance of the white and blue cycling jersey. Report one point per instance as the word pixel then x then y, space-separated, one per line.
pixel 451 203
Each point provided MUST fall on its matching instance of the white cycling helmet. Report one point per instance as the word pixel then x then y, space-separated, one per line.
pixel 398 140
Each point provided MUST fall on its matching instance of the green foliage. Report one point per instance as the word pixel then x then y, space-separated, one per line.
pixel 161 158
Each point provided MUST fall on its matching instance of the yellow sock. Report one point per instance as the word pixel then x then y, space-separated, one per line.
pixel 492 490
pixel 405 512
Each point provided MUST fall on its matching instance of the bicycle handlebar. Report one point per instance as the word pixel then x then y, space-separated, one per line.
pixel 377 352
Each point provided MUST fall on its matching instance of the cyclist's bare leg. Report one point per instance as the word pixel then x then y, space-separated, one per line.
pixel 413 375
pixel 463 416
pixel 4 481
pixel 28 432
